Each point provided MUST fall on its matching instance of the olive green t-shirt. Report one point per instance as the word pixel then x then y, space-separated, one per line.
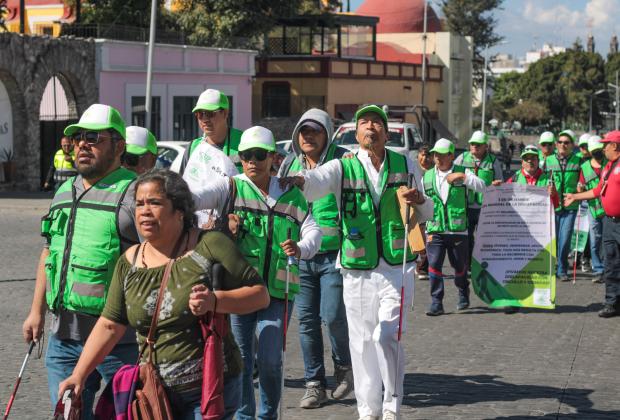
pixel 178 342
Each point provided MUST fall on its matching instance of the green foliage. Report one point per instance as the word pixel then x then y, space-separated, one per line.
pixel 474 18
pixel 506 90
pixel 612 65
pixel 528 113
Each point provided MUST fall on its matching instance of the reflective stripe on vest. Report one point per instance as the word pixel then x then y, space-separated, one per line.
pixel 324 210
pixel 263 229
pixel 63 170
pixel 483 171
pixel 84 243
pixel 592 180
pixel 565 179
pixel 370 232
pixel 454 212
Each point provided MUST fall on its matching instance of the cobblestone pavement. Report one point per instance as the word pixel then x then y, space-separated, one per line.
pixel 481 364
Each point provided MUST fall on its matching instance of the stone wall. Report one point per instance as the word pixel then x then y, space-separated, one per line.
pixel 26 65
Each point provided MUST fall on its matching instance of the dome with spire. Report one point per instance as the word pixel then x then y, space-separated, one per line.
pixel 400 16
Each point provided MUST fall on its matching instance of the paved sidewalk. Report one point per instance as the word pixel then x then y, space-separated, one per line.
pixel 481 364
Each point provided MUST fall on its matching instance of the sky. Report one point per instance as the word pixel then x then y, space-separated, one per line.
pixel 528 23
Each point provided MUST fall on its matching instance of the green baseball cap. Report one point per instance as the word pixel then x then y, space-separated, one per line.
pixel 583 139
pixel 568 133
pixel 98 117
pixel 594 143
pixel 257 137
pixel 443 146
pixel 479 137
pixel 546 137
pixel 530 150
pixel 371 108
pixel 211 100
pixel 139 141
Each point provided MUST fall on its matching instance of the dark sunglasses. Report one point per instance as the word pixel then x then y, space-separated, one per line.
pixel 258 155
pixel 131 159
pixel 207 114
pixel 546 144
pixel 564 142
pixel 90 137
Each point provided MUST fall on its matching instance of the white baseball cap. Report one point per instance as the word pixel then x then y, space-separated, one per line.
pixel 257 137
pixel 443 146
pixel 594 143
pixel 140 140
pixel 479 137
pixel 583 139
pixel 211 100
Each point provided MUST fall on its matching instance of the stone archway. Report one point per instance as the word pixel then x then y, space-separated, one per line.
pixel 32 62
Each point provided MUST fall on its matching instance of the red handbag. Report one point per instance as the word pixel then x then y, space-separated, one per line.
pixel 214 328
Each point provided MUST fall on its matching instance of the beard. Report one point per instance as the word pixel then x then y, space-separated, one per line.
pixel 98 167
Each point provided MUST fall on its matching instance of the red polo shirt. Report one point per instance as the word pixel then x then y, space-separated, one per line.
pixel 611 196
pixel 532 180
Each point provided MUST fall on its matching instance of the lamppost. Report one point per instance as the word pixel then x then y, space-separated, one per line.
pixel 598 92
pixel 484 81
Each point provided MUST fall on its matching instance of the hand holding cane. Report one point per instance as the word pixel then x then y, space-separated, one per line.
pixel 289 262
pixel 18 381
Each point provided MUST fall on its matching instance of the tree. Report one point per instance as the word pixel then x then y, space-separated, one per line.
pixel 529 113
pixel 134 13
pixel 474 18
pixel 506 90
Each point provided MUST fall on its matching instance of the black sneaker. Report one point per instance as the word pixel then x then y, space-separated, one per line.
pixel 598 278
pixel 608 311
pixel 463 303
pixel 435 310
pixel 314 397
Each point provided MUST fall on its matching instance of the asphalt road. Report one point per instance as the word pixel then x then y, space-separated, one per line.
pixel 481 364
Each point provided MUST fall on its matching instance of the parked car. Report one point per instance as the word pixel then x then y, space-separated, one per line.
pixel 403 137
pixel 170 154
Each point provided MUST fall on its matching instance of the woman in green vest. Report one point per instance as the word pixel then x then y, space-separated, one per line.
pixel 265 214
pixel 588 179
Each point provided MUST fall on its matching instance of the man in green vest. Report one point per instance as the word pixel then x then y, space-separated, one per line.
pixel 63 165
pixel 371 255
pixel 141 150
pixel 212 111
pixel 448 186
pixel 588 179
pixel 265 213
pixel 320 293
pixel 564 167
pixel 547 148
pixel 486 167
pixel 89 225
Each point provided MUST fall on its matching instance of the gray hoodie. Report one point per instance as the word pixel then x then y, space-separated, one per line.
pixel 318 116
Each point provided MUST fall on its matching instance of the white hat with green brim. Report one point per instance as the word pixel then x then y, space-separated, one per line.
pixel 211 100
pixel 530 150
pixel 594 143
pixel 479 137
pixel 568 133
pixel 443 146
pixel 139 140
pixel 546 137
pixel 98 117
pixel 257 137
pixel 583 139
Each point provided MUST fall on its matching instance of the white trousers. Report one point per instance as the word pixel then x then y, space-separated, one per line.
pixel 372 301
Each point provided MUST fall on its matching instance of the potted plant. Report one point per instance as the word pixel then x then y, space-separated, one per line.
pixel 8 165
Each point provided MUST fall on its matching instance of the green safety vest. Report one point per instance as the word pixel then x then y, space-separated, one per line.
pixel 369 232
pixel 324 210
pixel 230 147
pixel 519 178
pixel 483 171
pixel 84 243
pixel 262 230
pixel 592 180
pixel 63 169
pixel 452 215
pixel 565 180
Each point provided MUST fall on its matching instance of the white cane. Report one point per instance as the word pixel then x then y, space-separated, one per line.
pixel 289 262
pixel 402 297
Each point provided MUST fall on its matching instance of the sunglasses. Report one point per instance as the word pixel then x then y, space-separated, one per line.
pixel 546 144
pixel 131 159
pixel 207 114
pixel 564 142
pixel 254 154
pixel 90 137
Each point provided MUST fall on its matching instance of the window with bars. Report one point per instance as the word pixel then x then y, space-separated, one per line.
pixel 138 114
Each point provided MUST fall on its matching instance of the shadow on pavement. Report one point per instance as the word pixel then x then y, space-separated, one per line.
pixel 435 390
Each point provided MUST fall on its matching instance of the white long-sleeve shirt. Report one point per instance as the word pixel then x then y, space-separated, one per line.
pixel 498 173
pixel 472 182
pixel 215 194
pixel 328 179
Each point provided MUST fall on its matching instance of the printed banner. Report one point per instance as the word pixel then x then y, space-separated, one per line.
pixel 514 257
pixel 581 229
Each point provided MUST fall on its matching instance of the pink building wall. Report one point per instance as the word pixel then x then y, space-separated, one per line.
pixel 177 71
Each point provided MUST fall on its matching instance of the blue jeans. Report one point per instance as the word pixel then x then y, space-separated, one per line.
pixel 186 405
pixel 62 356
pixel 320 299
pixel 596 243
pixel 267 325
pixel 232 396
pixel 564 225
pixel 611 249
pixel 456 246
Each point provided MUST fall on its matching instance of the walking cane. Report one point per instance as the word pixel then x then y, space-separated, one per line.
pixel 576 245
pixel 289 262
pixel 402 295
pixel 18 381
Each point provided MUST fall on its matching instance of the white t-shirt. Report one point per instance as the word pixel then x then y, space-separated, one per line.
pixel 207 164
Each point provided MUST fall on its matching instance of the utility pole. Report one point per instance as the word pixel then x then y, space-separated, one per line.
pixel 149 65
pixel 424 36
pixel 617 102
pixel 484 85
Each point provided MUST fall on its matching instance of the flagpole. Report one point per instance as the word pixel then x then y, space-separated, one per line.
pixel 149 65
